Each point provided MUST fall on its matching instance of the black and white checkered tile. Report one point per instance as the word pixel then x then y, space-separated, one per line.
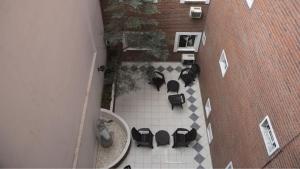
pixel 191 98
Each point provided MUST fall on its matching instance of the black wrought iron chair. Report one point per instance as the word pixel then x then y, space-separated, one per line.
pixel 183 140
pixel 177 100
pixel 127 167
pixel 158 80
pixel 188 75
pixel 143 137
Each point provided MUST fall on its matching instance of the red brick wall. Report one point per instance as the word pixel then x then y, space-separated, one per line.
pixel 263 50
pixel 173 17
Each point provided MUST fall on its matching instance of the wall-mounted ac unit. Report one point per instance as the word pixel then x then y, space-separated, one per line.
pixel 196 12
pixel 188 59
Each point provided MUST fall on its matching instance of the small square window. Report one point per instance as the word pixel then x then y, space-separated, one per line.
pixel 250 3
pixel 203 39
pixel 229 165
pixel 223 63
pixel 209 133
pixel 207 108
pixel 268 135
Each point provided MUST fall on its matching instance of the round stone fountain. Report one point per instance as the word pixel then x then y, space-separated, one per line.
pixel 111 157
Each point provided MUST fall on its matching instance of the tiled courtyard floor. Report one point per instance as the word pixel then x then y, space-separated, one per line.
pixel 148 108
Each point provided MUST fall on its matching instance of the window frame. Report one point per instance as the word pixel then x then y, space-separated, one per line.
pixel 203 39
pixel 195 48
pixel 207 107
pixel 223 62
pixel 267 137
pixel 210 136
pixel 250 3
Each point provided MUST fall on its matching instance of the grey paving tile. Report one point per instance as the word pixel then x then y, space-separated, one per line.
pixel 190 91
pixel 198 137
pixel 170 68
pixel 178 68
pixel 200 167
pixel 194 117
pixel 199 158
pixel 198 147
pixel 160 69
pixel 195 126
pixel 193 108
pixel 192 99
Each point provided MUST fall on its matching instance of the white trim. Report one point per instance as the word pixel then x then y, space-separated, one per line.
pixel 229 165
pixel 195 1
pixel 111 108
pixel 250 3
pixel 207 107
pixel 153 1
pixel 84 111
pixel 268 135
pixel 223 63
pixel 210 136
pixel 187 49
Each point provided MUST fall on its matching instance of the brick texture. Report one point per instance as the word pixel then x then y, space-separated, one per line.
pixel 173 17
pixel 263 50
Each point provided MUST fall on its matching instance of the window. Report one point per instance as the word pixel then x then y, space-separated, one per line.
pixel 229 165
pixel 203 39
pixel 209 133
pixel 207 108
pixel 187 41
pixel 249 3
pixel 223 63
pixel 268 135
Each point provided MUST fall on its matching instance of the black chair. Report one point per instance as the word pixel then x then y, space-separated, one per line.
pixel 195 68
pixel 183 140
pixel 158 80
pixel 127 167
pixel 143 137
pixel 172 86
pixel 177 100
pixel 188 75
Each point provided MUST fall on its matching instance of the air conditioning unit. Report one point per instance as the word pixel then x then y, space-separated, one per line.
pixel 196 12
pixel 188 59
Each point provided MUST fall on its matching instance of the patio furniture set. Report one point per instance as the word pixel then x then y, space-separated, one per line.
pixel 182 137
pixel 187 75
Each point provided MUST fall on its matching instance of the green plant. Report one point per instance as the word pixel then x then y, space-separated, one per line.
pixel 132 21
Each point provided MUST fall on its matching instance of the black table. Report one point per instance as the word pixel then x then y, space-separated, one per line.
pixel 162 137
pixel 173 86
